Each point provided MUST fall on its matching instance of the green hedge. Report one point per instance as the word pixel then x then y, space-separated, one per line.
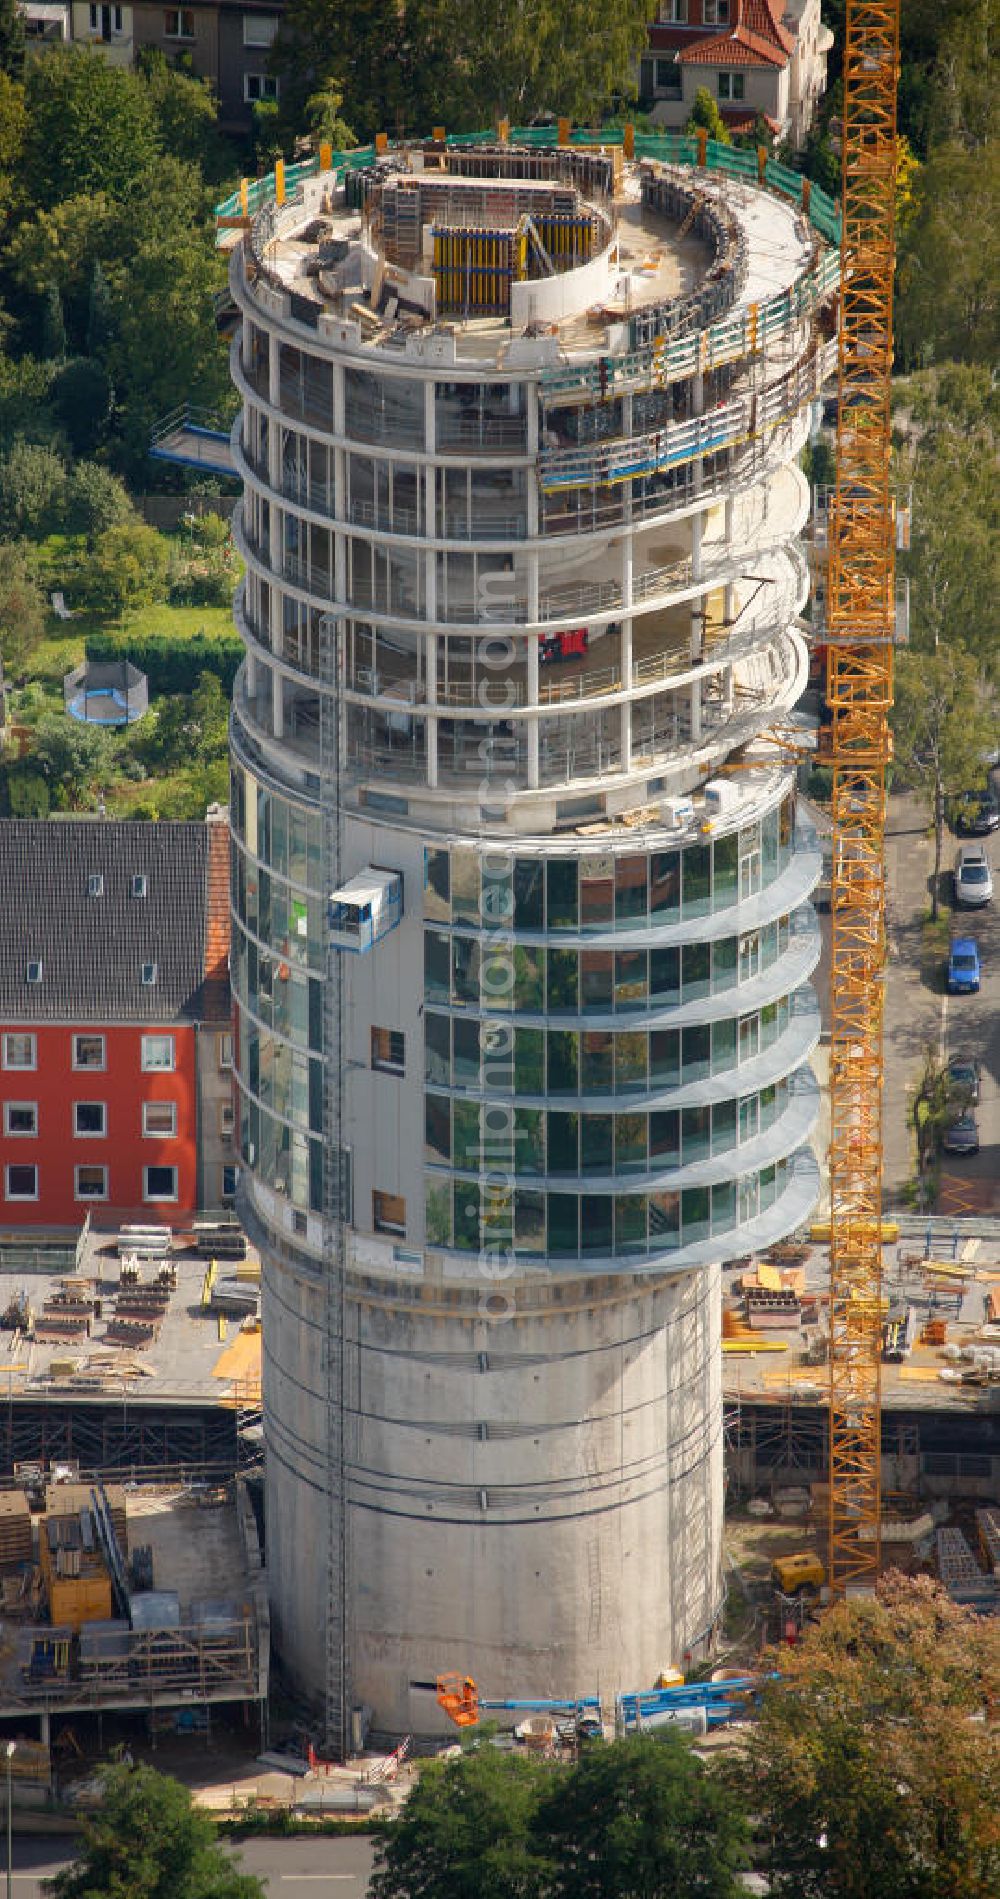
pixel 170 663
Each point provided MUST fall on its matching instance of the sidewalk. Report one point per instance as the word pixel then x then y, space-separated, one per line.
pixel 913 1012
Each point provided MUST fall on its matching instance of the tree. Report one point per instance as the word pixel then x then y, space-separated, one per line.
pixel 13 39
pixel 944 723
pixel 953 563
pixel 72 758
pixel 933 1106
pixel 27 791
pixel 81 398
pixel 322 116
pixel 96 500
pixel 465 1832
pixel 187 114
pixel 32 490
pixel 99 321
pixel 949 260
pixel 872 1768
pixel 91 126
pixel 149 1842
pixel 13 128
pixel 22 607
pixel 53 337
pixel 572 59
pixel 165 337
pixel 467 62
pixel 188 726
pixel 642 1818
pixel 128 568
pixel 705 114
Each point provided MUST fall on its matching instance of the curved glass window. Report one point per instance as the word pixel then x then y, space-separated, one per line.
pixel 469 972
pixel 477 1136
pixel 603 893
pixel 467 1053
pixel 470 1218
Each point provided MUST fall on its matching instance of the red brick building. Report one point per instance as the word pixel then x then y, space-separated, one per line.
pixel 115 1037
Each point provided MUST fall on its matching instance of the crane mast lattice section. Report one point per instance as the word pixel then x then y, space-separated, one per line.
pixel 859 688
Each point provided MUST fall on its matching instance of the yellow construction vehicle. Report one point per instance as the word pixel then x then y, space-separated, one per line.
pixel 794 1574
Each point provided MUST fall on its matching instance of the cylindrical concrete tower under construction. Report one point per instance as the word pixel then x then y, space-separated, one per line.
pixel 522 937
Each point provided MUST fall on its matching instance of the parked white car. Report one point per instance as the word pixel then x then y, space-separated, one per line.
pixel 973 882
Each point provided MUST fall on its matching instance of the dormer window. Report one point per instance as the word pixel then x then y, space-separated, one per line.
pixel 95 885
pixel 34 970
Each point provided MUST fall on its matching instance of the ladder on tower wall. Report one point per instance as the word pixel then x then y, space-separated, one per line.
pixel 336 1212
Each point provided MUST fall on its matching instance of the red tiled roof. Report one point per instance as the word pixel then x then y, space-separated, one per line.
pixel 215 993
pixel 738 48
pixel 764 18
pixel 738 119
pixel 756 38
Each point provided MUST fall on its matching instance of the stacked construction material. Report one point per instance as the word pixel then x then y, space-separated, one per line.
pixel 955 1559
pixel 140 1310
pixel 773 1308
pixel 63 1501
pixel 67 1315
pixel 988 1524
pixel 147 1242
pixel 77 1578
pixel 15 1530
pixel 220 1239
pixel 239 1297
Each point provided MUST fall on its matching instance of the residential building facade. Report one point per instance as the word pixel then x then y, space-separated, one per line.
pixel 225 42
pixel 115 1041
pixel 756 57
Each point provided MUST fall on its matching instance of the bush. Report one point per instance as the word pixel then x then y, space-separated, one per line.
pixel 22 607
pixel 213 587
pixel 32 490
pixel 210 531
pixel 172 663
pixel 27 794
pixel 128 567
pixel 95 501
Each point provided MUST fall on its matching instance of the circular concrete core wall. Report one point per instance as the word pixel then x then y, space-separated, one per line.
pixel 537 1503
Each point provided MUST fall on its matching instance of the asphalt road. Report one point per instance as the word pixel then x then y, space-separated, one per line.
pixel 971 1026
pixel 919 1016
pixel 289 1869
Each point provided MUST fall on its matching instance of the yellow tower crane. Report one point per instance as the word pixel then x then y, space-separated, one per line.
pixel 861 615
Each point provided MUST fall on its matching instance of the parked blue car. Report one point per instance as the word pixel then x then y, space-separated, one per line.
pixel 963 967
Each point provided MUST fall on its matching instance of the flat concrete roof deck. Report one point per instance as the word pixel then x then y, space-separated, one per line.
pixel 176 1368
pixel 783 1376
